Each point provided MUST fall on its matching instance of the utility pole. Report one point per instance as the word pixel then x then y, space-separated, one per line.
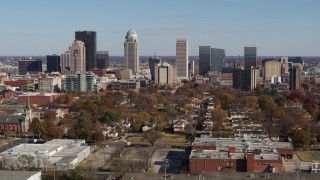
pixel 165 165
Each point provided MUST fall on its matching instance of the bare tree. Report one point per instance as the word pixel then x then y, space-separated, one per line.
pixel 152 136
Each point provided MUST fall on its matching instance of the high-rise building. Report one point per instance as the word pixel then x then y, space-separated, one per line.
pixel 80 81
pixel 217 59
pixel 152 62
pixel 29 66
pixel 65 62
pixel 131 51
pixel 271 68
pixel 53 63
pixel 250 56
pixel 294 79
pixel 165 74
pixel 182 58
pixel 245 79
pixel 77 57
pixel 102 59
pixel 204 59
pixel 191 68
pixel 90 41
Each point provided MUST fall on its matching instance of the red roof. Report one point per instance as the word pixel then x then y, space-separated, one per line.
pixel 226 76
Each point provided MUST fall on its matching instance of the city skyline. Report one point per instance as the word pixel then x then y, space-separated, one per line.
pixel 286 28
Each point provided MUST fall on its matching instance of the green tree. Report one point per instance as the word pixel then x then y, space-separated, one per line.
pixel 300 138
pixel 158 122
pixel 266 103
pixel 111 116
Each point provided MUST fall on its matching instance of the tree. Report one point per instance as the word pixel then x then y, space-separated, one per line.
pixel 140 119
pixel 300 138
pixel 35 126
pixel 98 136
pixel 26 160
pixel 158 122
pixel 152 136
pixel 250 102
pixel 51 131
pixel 266 103
pixel 227 100
pixel 217 117
pixel 111 116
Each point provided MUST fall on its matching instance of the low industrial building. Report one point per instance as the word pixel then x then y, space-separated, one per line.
pixel 254 155
pixel 61 154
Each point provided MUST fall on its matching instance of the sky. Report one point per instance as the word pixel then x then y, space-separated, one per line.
pixel 276 27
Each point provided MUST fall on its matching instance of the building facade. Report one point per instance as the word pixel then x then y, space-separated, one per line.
pixel 152 62
pixel 295 77
pixel 77 61
pixel 204 59
pixel 131 51
pixel 182 57
pixel 102 59
pixel 29 66
pixel 217 59
pixel 53 63
pixel 81 81
pixel 65 62
pixel 271 68
pixel 165 74
pixel 245 79
pixel 250 57
pixel 90 41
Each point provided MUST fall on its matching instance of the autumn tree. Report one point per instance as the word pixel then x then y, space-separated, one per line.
pixel 227 100
pixel 98 136
pixel 266 103
pixel 217 117
pixel 35 126
pixel 140 119
pixel 300 138
pixel 249 102
pixel 52 131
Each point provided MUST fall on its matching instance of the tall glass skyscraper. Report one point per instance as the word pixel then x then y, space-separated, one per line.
pixel 204 59
pixel 131 51
pixel 53 63
pixel 250 56
pixel 90 40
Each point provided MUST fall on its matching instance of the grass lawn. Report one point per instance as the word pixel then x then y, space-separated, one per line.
pixel 165 137
pixel 306 156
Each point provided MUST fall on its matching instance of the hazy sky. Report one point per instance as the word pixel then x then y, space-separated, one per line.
pixel 277 27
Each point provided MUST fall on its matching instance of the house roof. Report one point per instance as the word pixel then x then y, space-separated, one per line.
pixel 12 119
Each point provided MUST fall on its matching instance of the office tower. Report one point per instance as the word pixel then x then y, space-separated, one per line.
pixel 53 63
pixel 217 59
pixel 182 57
pixel 65 62
pixel 90 41
pixel 29 66
pixel 152 62
pixel 245 79
pixel 294 79
pixel 77 57
pixel 49 84
pixel 126 74
pixel 271 68
pixel 250 56
pixel 204 59
pixel 191 68
pixel 131 51
pixel 102 59
pixel 80 81
pixel 165 74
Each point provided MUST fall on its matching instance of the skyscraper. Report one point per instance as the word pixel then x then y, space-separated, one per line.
pixel 182 57
pixel 294 79
pixel 217 59
pixel 131 51
pixel 29 66
pixel 152 62
pixel 65 62
pixel 53 63
pixel 102 59
pixel 204 59
pixel 77 57
pixel 250 56
pixel 165 74
pixel 271 68
pixel 90 40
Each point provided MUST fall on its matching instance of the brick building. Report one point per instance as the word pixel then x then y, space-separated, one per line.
pixel 15 123
pixel 237 155
pixel 38 99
